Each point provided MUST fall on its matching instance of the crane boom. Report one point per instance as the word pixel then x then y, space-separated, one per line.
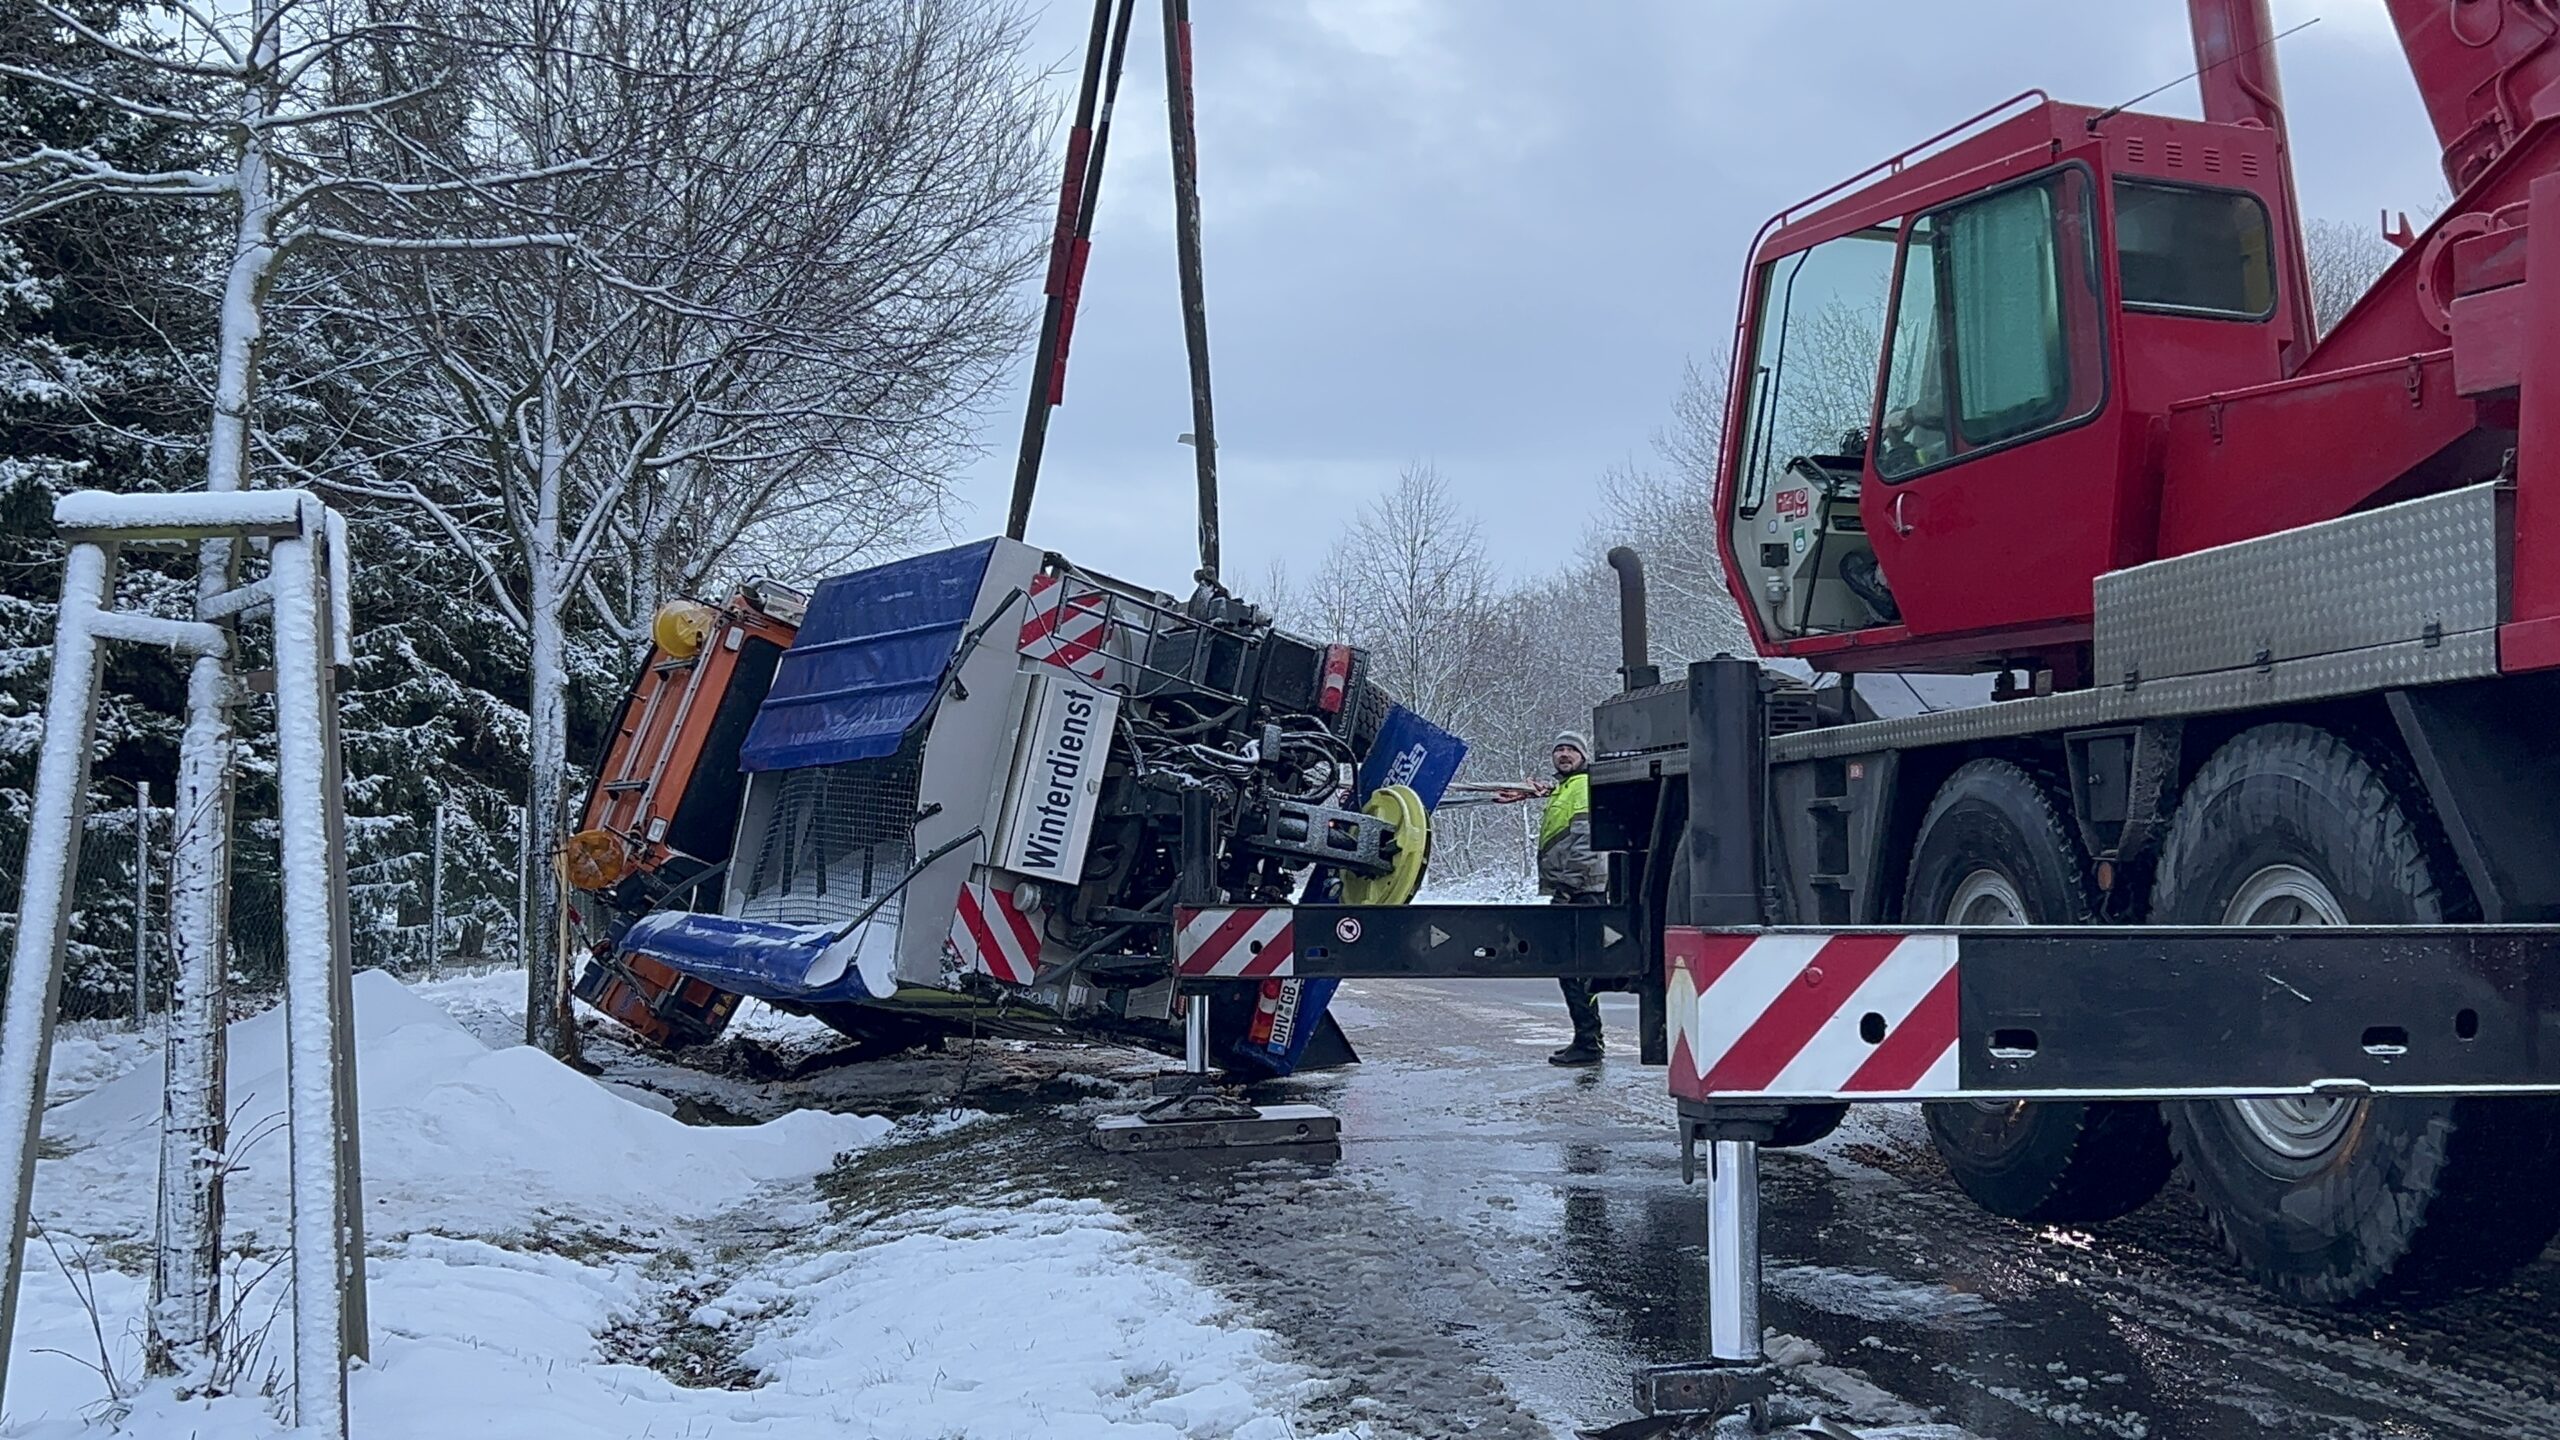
pixel 2236 67
pixel 2488 70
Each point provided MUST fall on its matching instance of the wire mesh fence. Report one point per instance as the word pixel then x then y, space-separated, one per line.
pixel 418 901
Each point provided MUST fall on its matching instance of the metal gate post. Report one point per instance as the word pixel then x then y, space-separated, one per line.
pixel 44 906
pixel 318 1093
pixel 141 901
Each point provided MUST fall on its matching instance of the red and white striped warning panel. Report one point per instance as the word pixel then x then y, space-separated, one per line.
pixel 1065 624
pixel 1240 942
pixel 1811 1016
pixel 993 936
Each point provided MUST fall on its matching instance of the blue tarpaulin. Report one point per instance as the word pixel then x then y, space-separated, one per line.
pixel 867 662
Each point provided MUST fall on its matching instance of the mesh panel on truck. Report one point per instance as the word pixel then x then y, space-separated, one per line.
pixel 839 837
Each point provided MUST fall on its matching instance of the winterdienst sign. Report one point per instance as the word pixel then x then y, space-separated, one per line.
pixel 1066 734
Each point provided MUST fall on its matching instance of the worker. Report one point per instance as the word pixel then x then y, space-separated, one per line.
pixel 1570 872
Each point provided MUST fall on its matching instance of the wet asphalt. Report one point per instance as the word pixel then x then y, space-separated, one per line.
pixel 1501 1245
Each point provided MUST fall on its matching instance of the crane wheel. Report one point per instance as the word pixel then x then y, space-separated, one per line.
pixel 1993 850
pixel 2337 1201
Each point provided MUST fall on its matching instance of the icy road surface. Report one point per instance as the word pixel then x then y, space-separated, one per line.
pixel 1502 1243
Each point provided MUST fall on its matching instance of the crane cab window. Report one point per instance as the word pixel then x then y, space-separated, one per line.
pixel 1820 332
pixel 1996 334
pixel 1818 337
pixel 2183 250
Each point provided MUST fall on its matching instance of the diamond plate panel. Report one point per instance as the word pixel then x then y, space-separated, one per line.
pixel 2318 677
pixel 2031 716
pixel 2354 583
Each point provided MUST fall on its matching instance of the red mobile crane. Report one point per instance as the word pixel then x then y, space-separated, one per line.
pixel 2140 375
pixel 2275 618
pixel 2288 606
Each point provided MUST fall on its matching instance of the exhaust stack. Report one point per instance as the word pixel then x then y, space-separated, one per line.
pixel 1635 663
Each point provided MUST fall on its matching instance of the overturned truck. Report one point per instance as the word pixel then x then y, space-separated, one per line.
pixel 966 791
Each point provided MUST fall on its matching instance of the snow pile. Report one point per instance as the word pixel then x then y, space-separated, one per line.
pixel 542 1263
pixel 488 1002
pixel 89 1053
pixel 458 1138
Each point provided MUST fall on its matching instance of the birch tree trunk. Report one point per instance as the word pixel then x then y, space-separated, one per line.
pixel 548 1022
pixel 186 1278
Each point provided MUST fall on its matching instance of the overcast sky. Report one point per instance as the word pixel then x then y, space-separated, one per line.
pixel 1485 233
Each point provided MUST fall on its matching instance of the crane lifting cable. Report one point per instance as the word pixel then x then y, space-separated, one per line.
pixel 1088 145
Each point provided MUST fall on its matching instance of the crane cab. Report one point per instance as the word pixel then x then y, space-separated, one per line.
pixel 1946 383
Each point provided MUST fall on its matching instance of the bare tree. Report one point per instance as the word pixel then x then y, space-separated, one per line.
pixel 1668 513
pixel 263 79
pixel 1409 581
pixel 770 338
pixel 2345 261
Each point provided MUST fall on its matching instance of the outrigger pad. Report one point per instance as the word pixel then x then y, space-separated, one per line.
pixel 1266 1125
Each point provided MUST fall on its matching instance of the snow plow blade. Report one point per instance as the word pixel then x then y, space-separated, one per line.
pixel 654 1001
pixel 803 964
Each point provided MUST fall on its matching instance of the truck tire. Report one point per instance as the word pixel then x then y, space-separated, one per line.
pixel 1993 850
pixel 1802 1124
pixel 2342 1201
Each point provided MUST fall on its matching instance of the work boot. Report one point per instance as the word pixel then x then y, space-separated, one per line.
pixel 1585 1050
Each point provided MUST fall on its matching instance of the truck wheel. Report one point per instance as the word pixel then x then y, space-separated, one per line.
pixel 1801 1124
pixel 2335 1200
pixel 1993 850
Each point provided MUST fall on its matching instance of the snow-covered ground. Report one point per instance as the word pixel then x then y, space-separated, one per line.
pixel 1491 888
pixel 550 1257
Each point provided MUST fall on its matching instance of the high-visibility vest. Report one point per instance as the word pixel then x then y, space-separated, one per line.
pixel 1570 801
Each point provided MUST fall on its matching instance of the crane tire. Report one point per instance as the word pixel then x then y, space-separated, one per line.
pixel 1994 849
pixel 2403 1198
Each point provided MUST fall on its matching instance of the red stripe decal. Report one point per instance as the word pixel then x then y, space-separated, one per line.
pixel 1075 288
pixel 1706 957
pixel 1070 201
pixel 1023 929
pixel 989 958
pixel 1914 1045
pixel 1792 1019
pixel 1229 934
pixel 1274 954
pixel 1041 622
pixel 1074 607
